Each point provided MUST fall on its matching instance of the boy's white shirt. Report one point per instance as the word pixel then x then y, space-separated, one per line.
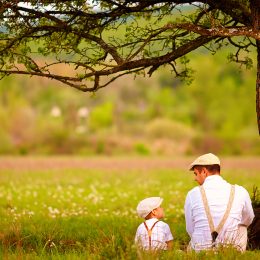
pixel 161 234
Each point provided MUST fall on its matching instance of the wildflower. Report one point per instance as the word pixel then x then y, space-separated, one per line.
pixel 55 111
pixel 83 112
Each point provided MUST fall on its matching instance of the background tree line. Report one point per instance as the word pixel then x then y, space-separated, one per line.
pixel 158 116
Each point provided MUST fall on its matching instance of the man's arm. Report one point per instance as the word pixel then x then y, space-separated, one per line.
pixel 247 212
pixel 188 215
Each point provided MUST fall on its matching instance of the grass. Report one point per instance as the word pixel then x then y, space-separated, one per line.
pixel 90 214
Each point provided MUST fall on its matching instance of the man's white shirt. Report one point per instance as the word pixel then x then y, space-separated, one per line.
pixel 161 234
pixel 217 193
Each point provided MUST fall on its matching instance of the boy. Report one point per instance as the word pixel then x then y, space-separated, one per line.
pixel 152 234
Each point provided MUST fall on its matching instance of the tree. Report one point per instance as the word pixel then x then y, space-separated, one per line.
pixel 106 39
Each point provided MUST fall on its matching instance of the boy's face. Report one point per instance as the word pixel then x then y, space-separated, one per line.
pixel 158 212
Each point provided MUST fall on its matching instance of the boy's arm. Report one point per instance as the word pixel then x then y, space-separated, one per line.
pixel 247 212
pixel 168 237
pixel 137 236
pixel 169 244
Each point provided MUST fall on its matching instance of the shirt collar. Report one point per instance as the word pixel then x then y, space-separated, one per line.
pixel 215 177
pixel 151 220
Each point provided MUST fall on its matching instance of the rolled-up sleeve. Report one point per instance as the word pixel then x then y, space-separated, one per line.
pixel 168 233
pixel 247 212
pixel 188 215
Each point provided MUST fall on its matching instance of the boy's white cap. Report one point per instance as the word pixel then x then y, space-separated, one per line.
pixel 147 205
pixel 205 159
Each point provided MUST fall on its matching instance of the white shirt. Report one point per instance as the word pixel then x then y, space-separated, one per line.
pixel 161 234
pixel 217 192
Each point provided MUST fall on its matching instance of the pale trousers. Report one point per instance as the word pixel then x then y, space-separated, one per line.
pixel 240 242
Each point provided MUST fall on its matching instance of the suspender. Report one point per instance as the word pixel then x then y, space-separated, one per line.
pixel 150 232
pixel 215 231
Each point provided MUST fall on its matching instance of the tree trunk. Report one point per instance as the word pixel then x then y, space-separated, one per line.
pixel 255 10
pixel 258 86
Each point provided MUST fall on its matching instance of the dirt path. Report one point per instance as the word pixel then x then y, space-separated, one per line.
pixel 117 163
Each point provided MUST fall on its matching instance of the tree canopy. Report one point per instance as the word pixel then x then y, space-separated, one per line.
pixel 106 39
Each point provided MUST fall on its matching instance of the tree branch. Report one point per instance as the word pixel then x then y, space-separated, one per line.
pixel 218 31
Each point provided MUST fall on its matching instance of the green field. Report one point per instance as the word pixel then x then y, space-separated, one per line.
pixel 72 213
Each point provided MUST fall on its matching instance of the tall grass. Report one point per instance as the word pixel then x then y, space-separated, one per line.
pixel 87 214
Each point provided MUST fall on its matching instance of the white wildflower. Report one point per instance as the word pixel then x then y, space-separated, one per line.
pixel 55 111
pixel 83 112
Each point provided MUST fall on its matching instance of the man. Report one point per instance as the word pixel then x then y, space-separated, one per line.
pixel 216 212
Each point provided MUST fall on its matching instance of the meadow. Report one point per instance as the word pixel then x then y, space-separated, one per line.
pixel 88 211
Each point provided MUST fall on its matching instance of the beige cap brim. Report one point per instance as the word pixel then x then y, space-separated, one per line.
pixel 205 159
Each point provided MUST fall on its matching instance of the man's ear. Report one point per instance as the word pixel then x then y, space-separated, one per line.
pixel 203 171
pixel 207 173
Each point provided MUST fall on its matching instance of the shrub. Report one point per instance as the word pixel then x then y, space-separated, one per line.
pixel 166 128
pixel 101 116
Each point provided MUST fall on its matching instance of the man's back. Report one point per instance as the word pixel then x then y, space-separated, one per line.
pixel 217 192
